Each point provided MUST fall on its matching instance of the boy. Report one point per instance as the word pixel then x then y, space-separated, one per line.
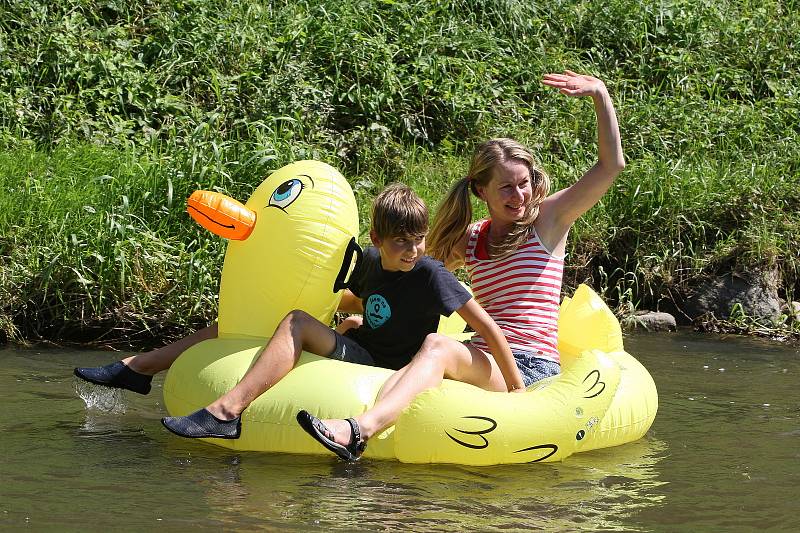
pixel 400 292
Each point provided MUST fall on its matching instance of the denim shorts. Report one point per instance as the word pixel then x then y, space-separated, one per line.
pixel 350 351
pixel 534 368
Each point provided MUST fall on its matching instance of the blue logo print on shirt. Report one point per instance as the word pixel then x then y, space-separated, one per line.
pixel 377 311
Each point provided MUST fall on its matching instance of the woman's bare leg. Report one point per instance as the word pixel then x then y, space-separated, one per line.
pixel 155 361
pixel 135 373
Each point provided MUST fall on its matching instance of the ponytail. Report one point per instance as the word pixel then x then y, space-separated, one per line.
pixel 455 212
pixel 451 221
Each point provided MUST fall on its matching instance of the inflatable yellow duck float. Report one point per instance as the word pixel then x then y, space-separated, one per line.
pixel 292 247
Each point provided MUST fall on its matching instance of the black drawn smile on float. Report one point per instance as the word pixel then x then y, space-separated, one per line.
pixel 207 217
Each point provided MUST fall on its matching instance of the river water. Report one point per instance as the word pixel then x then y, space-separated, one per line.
pixel 722 455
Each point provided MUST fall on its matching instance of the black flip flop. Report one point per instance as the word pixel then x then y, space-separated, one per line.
pixel 314 427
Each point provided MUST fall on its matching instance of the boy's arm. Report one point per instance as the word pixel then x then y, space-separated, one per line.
pixel 350 303
pixel 479 320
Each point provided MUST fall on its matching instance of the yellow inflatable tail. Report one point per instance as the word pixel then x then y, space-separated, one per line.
pixel 585 322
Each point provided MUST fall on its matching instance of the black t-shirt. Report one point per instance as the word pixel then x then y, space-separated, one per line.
pixel 402 308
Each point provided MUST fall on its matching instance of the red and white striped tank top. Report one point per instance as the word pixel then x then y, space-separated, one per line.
pixel 520 292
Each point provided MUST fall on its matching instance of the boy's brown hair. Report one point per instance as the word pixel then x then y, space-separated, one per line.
pixel 398 211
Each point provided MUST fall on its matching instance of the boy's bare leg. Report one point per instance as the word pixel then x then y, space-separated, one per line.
pixel 439 357
pixel 298 331
pixel 155 361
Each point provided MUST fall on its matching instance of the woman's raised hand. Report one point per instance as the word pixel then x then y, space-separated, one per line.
pixel 574 84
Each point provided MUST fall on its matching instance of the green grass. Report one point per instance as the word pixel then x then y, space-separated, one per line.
pixel 112 112
pixel 95 245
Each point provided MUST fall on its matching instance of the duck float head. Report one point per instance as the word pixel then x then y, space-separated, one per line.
pixel 291 246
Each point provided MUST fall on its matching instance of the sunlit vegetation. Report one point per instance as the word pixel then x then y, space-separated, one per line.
pixel 112 112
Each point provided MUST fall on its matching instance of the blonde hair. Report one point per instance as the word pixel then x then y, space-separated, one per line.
pixel 397 211
pixel 455 212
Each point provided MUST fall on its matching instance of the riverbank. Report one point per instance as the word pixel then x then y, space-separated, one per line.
pixel 97 249
pixel 110 115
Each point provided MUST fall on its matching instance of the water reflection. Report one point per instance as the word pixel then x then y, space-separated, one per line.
pixel 723 454
pixel 602 489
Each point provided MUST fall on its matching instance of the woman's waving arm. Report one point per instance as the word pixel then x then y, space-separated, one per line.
pixel 561 209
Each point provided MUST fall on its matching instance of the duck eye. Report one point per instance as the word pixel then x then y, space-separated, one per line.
pixel 286 193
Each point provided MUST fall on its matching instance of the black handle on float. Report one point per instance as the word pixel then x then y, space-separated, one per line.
pixel 352 248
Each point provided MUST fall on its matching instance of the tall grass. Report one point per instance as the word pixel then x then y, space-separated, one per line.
pixel 112 112
pixel 93 247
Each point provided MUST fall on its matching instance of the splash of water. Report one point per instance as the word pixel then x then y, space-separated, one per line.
pixel 99 398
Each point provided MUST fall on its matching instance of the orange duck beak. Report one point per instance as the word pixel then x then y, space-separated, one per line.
pixel 221 215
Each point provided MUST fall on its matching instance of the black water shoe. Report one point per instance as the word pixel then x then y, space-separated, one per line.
pixel 116 375
pixel 314 427
pixel 203 425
